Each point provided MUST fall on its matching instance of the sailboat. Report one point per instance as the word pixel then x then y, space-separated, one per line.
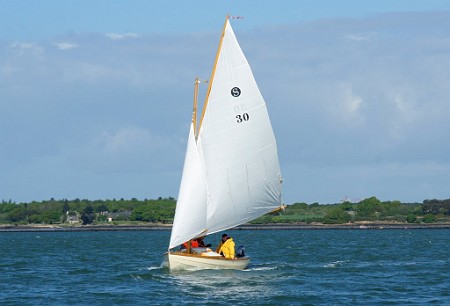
pixel 231 172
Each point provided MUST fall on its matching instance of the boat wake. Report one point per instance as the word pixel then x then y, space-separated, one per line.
pixel 259 269
pixel 136 277
pixel 335 264
pixel 163 265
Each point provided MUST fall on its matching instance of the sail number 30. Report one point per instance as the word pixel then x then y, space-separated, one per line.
pixel 243 117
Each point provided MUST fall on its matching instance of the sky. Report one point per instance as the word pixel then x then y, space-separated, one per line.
pixel 96 96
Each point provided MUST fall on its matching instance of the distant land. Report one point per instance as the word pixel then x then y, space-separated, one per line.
pixel 273 226
pixel 157 214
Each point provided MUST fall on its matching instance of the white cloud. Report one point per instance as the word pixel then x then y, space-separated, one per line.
pixel 89 72
pixel 358 37
pixel 25 48
pixel 129 149
pixel 349 105
pixel 117 36
pixel 65 46
pixel 127 140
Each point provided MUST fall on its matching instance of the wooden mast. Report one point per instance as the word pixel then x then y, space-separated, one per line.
pixel 211 79
pixel 194 112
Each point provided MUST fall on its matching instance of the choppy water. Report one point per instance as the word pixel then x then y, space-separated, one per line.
pixel 289 267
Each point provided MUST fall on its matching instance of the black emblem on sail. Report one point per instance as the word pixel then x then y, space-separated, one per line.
pixel 235 92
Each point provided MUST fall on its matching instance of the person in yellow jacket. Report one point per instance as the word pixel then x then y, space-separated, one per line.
pixel 224 238
pixel 226 247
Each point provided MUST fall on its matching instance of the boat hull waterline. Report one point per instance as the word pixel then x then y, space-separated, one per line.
pixel 182 261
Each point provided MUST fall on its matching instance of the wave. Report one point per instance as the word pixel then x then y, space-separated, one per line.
pixel 335 264
pixel 260 269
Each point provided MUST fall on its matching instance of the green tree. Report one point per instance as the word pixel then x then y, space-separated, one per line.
pixel 347 206
pixel 336 216
pixel 429 218
pixel 101 208
pixel 87 215
pixel 368 208
pixel 18 214
pixel 436 207
pixel 410 218
pixel 50 216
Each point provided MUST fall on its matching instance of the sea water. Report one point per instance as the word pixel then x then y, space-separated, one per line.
pixel 289 267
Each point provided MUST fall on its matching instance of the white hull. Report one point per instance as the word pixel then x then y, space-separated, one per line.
pixel 181 261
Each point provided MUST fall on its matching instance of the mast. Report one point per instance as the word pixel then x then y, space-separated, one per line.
pixel 194 112
pixel 211 79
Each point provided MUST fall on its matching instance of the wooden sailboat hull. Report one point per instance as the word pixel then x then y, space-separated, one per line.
pixel 182 261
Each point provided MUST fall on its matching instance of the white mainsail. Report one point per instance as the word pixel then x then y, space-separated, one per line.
pixel 235 174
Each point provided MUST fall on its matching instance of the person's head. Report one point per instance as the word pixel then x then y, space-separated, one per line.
pixel 224 237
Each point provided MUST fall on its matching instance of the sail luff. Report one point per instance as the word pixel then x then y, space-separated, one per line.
pixel 213 72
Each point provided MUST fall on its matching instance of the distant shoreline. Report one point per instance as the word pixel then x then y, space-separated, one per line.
pixel 164 227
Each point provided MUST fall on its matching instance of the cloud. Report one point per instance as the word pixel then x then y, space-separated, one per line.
pixel 129 149
pixel 359 106
pixel 358 37
pixel 27 48
pixel 117 36
pixel 372 96
pixel 23 46
pixel 126 140
pixel 65 46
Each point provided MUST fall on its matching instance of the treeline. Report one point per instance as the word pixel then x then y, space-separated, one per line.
pixel 370 209
pixel 162 210
pixel 88 212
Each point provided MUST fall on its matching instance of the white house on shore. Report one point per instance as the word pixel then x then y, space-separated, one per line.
pixel 72 217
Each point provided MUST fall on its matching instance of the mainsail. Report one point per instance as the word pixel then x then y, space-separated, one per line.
pixel 234 174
